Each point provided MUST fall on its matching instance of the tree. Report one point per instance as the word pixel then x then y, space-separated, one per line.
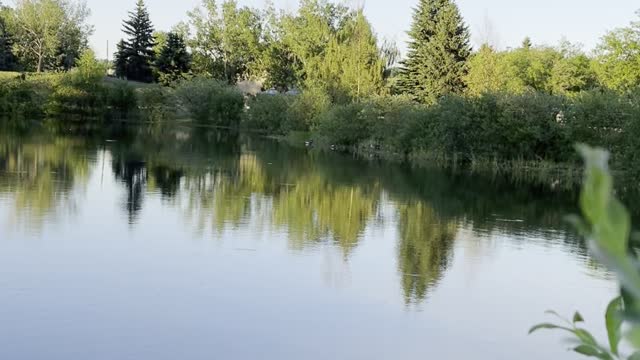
pixel 526 43
pixel 485 72
pixel 228 41
pixel 438 52
pixel 280 64
pixel 7 58
pixel 137 51
pixel 173 60
pixel 241 42
pixel 120 61
pixel 74 36
pixel 618 58
pixel 353 66
pixel 206 43
pixel 573 72
pixel 307 35
pixel 41 28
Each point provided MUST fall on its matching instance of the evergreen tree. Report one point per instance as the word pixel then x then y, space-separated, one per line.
pixel 526 43
pixel 173 60
pixel 7 59
pixel 120 61
pixel 138 49
pixel 438 52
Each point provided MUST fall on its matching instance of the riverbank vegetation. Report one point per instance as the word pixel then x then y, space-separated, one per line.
pixel 335 82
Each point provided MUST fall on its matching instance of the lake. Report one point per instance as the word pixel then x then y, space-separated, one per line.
pixel 193 244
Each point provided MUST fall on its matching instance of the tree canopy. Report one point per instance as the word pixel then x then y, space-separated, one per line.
pixel 438 52
pixel 58 41
pixel 135 54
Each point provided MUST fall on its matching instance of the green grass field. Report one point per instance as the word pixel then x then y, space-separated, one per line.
pixel 8 74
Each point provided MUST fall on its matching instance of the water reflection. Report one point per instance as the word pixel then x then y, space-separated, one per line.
pixel 38 174
pixel 222 180
pixel 424 250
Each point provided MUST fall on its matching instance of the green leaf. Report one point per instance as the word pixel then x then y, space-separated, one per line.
pixel 635 356
pixel 585 337
pixel 613 319
pixel 589 351
pixel 577 318
pixel 548 326
pixel 634 336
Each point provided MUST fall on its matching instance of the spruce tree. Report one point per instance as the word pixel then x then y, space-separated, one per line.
pixel 121 58
pixel 138 48
pixel 438 52
pixel 173 60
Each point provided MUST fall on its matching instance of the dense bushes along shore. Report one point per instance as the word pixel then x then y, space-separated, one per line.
pixel 488 128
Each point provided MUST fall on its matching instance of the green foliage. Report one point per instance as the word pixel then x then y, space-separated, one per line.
pixel 155 103
pixel 572 74
pixel 269 113
pixel 49 33
pixel 438 52
pixel 606 224
pixel 353 67
pixel 228 41
pixel 618 58
pixel 135 55
pixel 121 99
pixel 24 99
pixel 565 70
pixel 173 61
pixel 8 61
pixel 305 111
pixel 346 125
pixel 210 101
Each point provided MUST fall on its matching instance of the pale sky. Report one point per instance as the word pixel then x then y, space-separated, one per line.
pixel 545 21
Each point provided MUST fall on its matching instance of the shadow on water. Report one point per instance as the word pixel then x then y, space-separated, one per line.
pixel 223 180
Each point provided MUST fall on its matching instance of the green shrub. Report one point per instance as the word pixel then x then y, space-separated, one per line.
pixel 77 97
pixel 597 117
pixel 24 98
pixel 529 128
pixel 346 125
pixel 210 101
pixel 156 103
pixel 306 109
pixel 121 100
pixel 269 113
pixel 80 93
pixel 400 124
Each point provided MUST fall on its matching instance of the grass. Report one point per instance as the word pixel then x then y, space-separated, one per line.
pixel 8 75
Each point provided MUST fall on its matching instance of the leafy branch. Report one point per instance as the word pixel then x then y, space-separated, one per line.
pixel 606 225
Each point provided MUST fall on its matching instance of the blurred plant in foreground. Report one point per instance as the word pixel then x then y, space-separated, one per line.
pixel 606 225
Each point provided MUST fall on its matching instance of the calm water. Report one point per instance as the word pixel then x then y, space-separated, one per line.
pixel 196 245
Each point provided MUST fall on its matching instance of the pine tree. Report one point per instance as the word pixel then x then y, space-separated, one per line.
pixel 120 61
pixel 438 52
pixel 173 60
pixel 137 50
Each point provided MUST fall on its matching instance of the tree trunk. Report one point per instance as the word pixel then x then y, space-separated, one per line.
pixel 39 70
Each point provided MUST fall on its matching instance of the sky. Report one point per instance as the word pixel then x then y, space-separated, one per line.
pixel 507 22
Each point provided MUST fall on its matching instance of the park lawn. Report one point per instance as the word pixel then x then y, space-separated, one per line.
pixel 8 74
